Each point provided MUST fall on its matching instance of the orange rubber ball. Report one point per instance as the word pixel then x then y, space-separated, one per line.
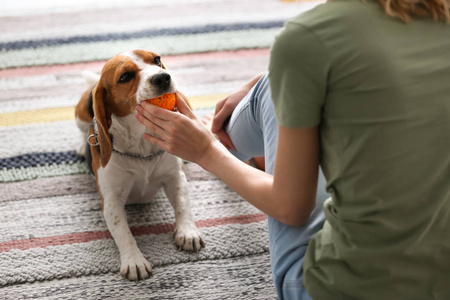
pixel 166 101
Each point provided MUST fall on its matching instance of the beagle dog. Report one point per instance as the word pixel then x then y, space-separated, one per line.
pixel 127 168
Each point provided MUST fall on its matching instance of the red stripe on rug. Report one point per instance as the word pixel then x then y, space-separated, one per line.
pixel 85 237
pixel 98 65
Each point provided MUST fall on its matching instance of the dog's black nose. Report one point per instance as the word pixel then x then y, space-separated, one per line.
pixel 161 80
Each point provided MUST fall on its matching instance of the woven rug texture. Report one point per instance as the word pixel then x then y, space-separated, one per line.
pixel 54 243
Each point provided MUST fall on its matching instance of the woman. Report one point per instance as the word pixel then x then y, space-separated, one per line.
pixel 363 90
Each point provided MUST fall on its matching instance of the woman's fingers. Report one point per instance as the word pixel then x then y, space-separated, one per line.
pixel 154 140
pixel 150 125
pixel 225 139
pixel 220 116
pixel 219 105
pixel 183 107
pixel 154 123
pixel 151 111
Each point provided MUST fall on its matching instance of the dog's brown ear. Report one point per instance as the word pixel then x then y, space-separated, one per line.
pixel 103 117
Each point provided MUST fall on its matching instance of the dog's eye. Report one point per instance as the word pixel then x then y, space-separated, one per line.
pixel 126 77
pixel 157 61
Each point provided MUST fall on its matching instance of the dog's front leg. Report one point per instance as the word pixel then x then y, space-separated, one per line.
pixel 134 265
pixel 186 233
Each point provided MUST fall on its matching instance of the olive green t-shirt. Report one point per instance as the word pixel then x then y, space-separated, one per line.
pixel 379 90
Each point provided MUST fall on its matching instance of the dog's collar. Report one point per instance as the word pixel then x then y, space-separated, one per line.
pixel 94 135
pixel 137 156
pixel 124 154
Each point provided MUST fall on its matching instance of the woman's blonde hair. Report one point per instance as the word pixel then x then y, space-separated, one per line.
pixel 439 10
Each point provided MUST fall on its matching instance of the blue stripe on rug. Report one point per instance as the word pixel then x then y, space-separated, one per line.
pixel 17 45
pixel 39 159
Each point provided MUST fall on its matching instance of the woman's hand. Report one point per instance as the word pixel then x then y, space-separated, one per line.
pixel 225 108
pixel 181 134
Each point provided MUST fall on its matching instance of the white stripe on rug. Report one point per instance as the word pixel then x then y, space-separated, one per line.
pixel 31 7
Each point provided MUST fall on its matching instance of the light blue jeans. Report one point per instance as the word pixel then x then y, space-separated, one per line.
pixel 253 128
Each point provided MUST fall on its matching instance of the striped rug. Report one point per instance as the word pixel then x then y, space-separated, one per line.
pixel 54 243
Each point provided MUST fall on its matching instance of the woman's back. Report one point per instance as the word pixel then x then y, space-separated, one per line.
pixel 380 91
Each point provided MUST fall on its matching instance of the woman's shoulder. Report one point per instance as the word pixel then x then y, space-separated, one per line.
pixel 338 13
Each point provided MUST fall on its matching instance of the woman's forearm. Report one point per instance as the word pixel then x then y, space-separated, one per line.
pixel 253 185
pixel 290 198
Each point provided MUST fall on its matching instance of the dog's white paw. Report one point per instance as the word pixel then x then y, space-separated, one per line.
pixel 135 266
pixel 189 238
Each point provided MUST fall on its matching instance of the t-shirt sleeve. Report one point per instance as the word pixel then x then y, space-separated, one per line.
pixel 298 72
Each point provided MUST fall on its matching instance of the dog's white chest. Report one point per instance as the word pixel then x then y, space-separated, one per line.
pixel 137 169
pixel 137 180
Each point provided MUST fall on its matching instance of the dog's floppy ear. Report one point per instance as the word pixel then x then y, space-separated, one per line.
pixel 103 117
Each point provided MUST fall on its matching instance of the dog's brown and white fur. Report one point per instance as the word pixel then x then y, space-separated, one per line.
pixel 126 80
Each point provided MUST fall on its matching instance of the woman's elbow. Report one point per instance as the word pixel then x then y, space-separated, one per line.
pixel 296 217
pixel 292 221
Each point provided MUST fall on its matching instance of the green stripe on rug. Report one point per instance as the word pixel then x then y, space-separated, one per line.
pixel 20 174
pixel 164 45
